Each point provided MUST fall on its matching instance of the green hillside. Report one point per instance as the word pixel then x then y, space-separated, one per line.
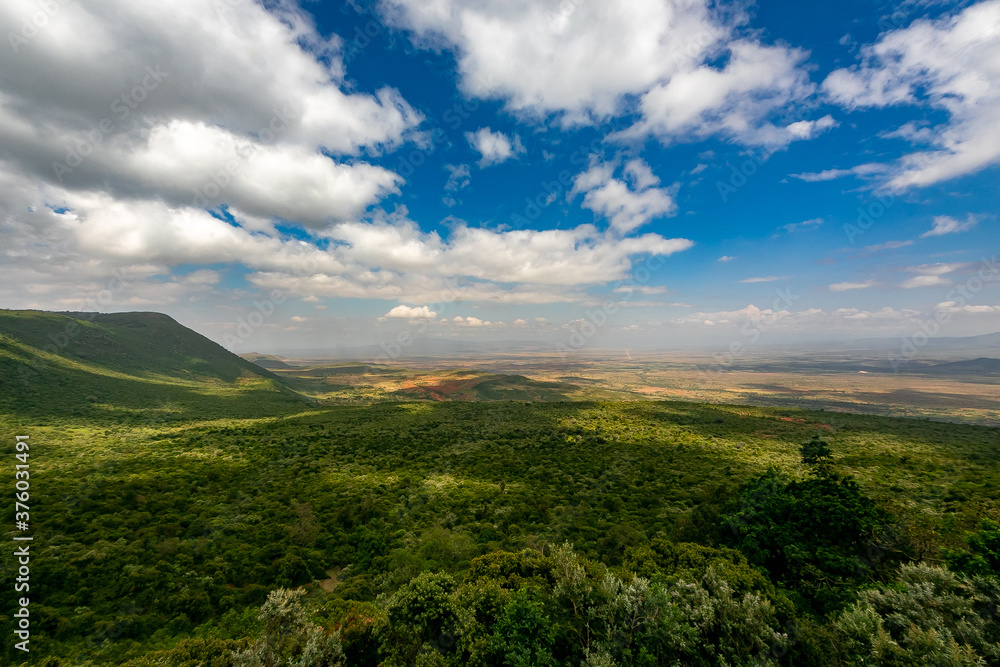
pixel 115 366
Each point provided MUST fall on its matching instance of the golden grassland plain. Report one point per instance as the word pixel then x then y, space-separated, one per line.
pixel 862 385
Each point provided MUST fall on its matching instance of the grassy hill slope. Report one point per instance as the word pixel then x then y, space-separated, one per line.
pixel 113 367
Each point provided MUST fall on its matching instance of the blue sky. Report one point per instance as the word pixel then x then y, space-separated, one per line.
pixel 644 173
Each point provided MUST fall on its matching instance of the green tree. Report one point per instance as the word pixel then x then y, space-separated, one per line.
pixel 929 616
pixel 819 537
pixel 816 452
pixel 983 554
pixel 420 618
pixel 289 638
pixel 523 634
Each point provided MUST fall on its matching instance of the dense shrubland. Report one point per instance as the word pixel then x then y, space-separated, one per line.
pixel 515 534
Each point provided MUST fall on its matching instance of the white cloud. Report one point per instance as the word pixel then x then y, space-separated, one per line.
pixel 459 176
pixel 825 175
pixel 726 258
pixel 736 101
pixel 805 224
pixel 846 286
pixel 886 313
pixel 580 60
pixel 931 275
pixel 639 175
pixel 404 312
pixel 647 290
pixel 888 245
pixel 575 58
pixel 944 224
pixel 183 161
pixel 803 320
pixel 924 281
pixel 953 307
pixel 577 256
pixel 950 64
pixel 241 106
pixel 494 147
pixel 867 169
pixel 938 269
pixel 225 93
pixel 763 279
pixel 390 258
pixel 130 118
pixel 629 204
pixel 750 313
pixel 471 321
pixel 201 277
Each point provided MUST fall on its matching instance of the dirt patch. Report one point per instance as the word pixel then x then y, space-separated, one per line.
pixel 329 584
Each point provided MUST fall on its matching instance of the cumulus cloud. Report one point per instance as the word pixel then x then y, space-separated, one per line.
pixel 931 275
pixel 494 147
pixel 950 65
pixel 191 142
pixel 726 258
pixel 735 101
pixel 944 224
pixel 207 107
pixel 579 61
pixel 627 204
pixel 48 233
pixel 750 313
pixel 471 321
pixel 404 312
pixel 577 256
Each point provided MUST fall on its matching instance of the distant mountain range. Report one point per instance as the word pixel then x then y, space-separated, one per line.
pixel 986 341
pixel 438 348
pixel 424 348
pixel 981 366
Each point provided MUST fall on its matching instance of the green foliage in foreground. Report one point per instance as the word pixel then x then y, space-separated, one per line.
pixel 163 539
pixel 815 536
pixel 530 609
